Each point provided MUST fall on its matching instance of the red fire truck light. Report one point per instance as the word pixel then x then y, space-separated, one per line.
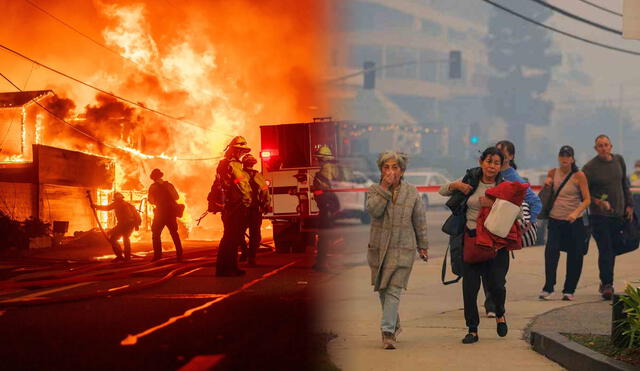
pixel 265 154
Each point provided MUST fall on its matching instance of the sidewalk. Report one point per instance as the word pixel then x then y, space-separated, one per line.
pixel 433 321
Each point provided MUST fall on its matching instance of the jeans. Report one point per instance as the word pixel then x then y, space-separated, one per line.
pixel 159 222
pixel 390 301
pixel 607 232
pixel 493 273
pixel 570 237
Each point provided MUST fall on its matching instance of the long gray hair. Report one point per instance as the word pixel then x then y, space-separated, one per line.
pixel 401 158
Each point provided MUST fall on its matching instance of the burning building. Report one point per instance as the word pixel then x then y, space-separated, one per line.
pixel 54 186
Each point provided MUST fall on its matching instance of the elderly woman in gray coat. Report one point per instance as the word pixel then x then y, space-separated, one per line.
pixel 398 229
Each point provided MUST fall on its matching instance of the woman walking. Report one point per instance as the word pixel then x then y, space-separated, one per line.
pixel 398 228
pixel 468 193
pixel 509 172
pixel 566 231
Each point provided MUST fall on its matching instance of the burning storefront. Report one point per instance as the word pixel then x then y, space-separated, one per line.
pixel 53 188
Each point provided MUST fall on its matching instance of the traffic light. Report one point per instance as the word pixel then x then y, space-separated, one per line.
pixel 474 133
pixel 455 64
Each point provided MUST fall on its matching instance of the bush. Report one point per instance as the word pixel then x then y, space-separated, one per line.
pixel 631 323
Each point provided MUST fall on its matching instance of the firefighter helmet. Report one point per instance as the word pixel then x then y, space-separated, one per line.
pixel 239 142
pixel 118 196
pixel 324 153
pixel 156 174
pixel 248 160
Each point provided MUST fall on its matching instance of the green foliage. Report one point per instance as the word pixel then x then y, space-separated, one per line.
pixel 631 323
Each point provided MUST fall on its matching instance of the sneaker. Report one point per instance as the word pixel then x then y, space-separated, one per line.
pixel 606 291
pixel 544 295
pixel 470 338
pixel 491 314
pixel 388 340
pixel 502 329
pixel 397 332
pixel 118 259
pixel 567 297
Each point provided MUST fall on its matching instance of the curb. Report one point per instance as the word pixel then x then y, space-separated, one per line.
pixel 572 355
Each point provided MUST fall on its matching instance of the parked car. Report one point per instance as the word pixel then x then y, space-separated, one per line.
pixel 428 178
pixel 534 176
pixel 352 204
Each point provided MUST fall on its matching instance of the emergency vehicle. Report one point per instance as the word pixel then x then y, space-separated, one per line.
pixel 289 167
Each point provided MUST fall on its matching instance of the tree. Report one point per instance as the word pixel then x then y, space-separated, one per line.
pixel 521 58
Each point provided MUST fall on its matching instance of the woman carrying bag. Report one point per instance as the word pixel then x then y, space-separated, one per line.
pixel 569 198
pixel 468 197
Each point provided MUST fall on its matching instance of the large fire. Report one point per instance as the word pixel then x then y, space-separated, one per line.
pixel 223 68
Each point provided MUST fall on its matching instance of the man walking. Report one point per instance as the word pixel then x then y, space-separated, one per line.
pixel 127 219
pixel 163 196
pixel 237 200
pixel 611 203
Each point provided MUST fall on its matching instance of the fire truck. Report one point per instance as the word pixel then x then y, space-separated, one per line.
pixel 289 167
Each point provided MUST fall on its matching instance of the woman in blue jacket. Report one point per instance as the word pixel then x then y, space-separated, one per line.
pixel 509 173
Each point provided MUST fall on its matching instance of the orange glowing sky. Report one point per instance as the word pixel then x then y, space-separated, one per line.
pixel 229 66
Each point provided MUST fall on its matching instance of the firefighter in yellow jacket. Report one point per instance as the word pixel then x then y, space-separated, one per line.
pixel 237 200
pixel 327 202
pixel 260 203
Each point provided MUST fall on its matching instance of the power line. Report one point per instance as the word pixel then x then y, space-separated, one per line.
pixel 98 140
pixel 143 68
pixel 627 51
pixel 106 92
pixel 577 18
pixel 601 8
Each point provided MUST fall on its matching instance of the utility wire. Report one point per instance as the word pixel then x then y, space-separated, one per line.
pixel 577 17
pixel 601 8
pixel 143 68
pixel 91 136
pixel 627 51
pixel 106 92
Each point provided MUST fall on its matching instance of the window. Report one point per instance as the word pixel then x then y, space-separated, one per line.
pixel 362 16
pixel 430 28
pixel 365 53
pixel 406 57
pixel 428 69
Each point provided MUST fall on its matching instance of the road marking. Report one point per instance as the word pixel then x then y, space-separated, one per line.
pixel 50 291
pixel 181 296
pixel 189 272
pixel 198 363
pixel 133 339
pixel 118 288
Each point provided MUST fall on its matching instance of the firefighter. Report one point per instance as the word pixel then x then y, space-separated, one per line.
pixel 127 219
pixel 260 203
pixel 327 202
pixel 163 196
pixel 237 200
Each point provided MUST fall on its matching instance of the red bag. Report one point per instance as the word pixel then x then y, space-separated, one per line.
pixel 474 253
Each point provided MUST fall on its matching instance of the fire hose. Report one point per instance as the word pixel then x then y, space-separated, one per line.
pixel 102 293
pixel 95 214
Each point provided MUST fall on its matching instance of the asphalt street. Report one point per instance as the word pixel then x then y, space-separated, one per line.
pixel 256 322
